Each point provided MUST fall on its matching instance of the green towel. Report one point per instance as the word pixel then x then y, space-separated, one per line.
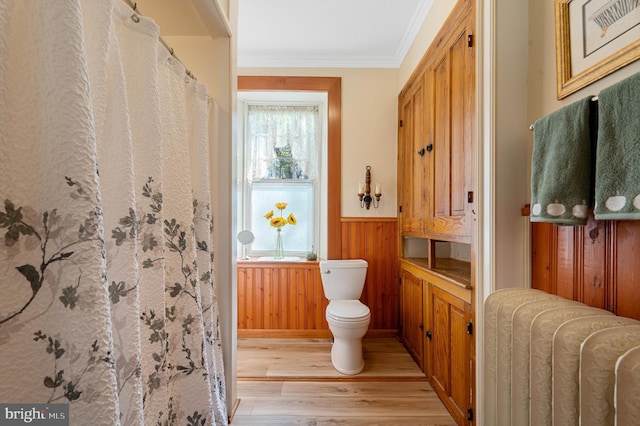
pixel 561 177
pixel 617 186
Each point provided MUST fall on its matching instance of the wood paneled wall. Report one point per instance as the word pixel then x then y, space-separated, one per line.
pixel 287 299
pixel 597 264
pixel 280 296
pixel 376 241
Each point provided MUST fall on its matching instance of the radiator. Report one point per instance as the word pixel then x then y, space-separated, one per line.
pixel 553 361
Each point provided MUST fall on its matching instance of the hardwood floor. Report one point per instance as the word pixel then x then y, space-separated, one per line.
pixel 292 382
pixel 276 359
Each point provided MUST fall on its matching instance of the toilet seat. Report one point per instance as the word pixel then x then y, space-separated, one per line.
pixel 347 311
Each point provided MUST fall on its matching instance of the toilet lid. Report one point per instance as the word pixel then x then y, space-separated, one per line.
pixel 348 310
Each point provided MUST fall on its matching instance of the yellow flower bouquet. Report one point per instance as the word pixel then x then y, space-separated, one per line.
pixel 279 222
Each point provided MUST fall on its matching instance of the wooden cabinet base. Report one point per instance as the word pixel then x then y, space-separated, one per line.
pixel 450 349
pixel 437 331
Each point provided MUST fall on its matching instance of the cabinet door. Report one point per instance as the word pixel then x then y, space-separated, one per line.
pixel 411 159
pixel 450 352
pixel 451 138
pixel 411 315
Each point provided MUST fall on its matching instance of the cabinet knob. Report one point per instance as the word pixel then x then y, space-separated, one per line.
pixel 421 326
pixel 421 152
pixel 429 335
pixel 429 147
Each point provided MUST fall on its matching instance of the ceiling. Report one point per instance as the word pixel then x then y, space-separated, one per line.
pixel 307 33
pixel 327 33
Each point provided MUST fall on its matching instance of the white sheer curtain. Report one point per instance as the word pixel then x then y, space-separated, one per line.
pixel 282 141
pixel 108 295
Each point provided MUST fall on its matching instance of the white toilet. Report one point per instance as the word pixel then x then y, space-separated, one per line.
pixel 348 318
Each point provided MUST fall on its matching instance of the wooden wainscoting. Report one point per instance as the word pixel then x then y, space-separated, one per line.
pixel 596 264
pixel 376 241
pixel 281 299
pixel 286 299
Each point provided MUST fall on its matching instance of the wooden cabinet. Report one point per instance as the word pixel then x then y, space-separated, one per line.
pixel 436 185
pixel 436 136
pixel 412 317
pixel 412 170
pixel 449 347
pixel 437 331
pixel 450 137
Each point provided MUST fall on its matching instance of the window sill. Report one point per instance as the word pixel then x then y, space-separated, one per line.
pixel 263 260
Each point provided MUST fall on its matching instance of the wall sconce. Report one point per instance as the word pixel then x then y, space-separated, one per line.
pixel 364 191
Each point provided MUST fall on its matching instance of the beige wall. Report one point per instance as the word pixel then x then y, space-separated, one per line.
pixel 201 55
pixel 436 17
pixel 369 133
pixel 542 64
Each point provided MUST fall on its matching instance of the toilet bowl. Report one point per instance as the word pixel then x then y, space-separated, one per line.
pixel 348 318
pixel 348 321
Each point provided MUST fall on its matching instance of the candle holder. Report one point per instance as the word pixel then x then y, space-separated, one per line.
pixel 364 191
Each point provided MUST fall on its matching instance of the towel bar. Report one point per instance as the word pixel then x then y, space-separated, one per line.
pixel 595 98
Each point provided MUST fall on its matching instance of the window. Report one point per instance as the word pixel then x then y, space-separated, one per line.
pixel 283 153
pixel 329 90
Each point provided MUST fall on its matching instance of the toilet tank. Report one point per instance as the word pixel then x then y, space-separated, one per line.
pixel 343 279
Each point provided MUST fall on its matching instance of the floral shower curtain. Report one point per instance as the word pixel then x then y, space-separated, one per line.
pixel 108 300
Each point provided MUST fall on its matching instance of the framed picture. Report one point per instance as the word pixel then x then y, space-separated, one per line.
pixel 593 39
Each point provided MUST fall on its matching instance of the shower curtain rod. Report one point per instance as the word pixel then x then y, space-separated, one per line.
pixel 133 5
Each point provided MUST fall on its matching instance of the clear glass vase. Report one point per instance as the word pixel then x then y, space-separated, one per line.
pixel 279 253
